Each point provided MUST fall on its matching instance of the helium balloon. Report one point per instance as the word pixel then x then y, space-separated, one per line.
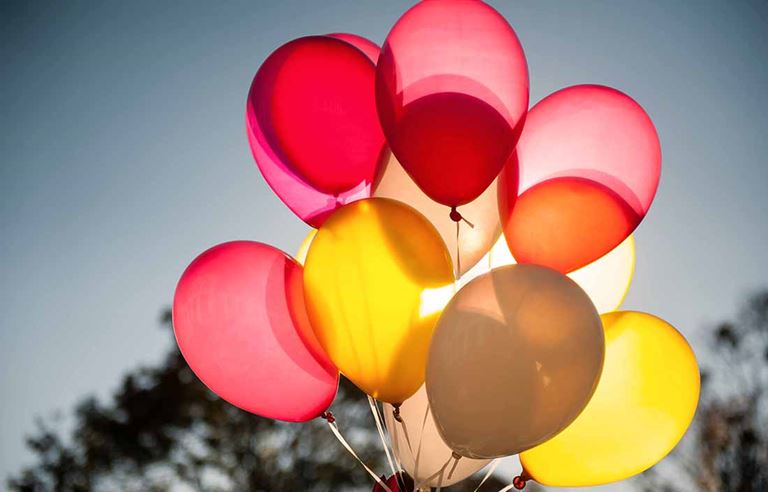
pixel 606 280
pixel 514 359
pixel 301 253
pixel 240 322
pixel 312 124
pixel 474 241
pixel 427 453
pixel 644 403
pixel 366 272
pixel 452 93
pixel 588 165
pixel 395 483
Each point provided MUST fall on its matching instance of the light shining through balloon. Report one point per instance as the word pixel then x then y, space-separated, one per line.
pixel 301 253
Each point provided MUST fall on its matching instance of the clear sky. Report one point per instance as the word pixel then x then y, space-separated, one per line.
pixel 123 155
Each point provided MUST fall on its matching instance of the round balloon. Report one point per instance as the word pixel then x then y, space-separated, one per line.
pixel 588 165
pixel 312 124
pixel 452 93
pixel 473 240
pixel 423 453
pixel 366 272
pixel 606 280
pixel 240 322
pixel 301 253
pixel 644 403
pixel 514 359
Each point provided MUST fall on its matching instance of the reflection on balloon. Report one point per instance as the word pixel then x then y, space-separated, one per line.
pixel 365 274
pixel 644 403
pixel 588 164
pixel 427 453
pixel 606 280
pixel 301 253
pixel 450 116
pixel 240 322
pixel 474 241
pixel 314 157
pixel 515 357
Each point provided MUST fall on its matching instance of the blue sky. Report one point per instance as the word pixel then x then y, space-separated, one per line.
pixel 123 155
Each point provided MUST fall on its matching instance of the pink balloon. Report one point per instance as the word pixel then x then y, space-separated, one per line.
pixel 241 324
pixel 452 93
pixel 588 162
pixel 318 151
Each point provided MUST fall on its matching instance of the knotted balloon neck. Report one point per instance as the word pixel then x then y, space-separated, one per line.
pixel 521 480
pixel 396 412
pixel 456 216
pixel 328 417
pixel 456 457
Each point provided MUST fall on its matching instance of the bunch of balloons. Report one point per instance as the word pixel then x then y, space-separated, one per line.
pixel 410 161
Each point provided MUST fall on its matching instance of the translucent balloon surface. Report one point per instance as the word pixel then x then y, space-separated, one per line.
pixel 644 403
pixel 606 280
pixel 312 124
pixel 240 322
pixel 366 272
pixel 425 442
pixel 589 162
pixel 452 92
pixel 474 241
pixel 301 253
pixel 514 359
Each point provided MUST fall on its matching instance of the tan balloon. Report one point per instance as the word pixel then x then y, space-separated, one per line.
pixel 426 443
pixel 483 213
pixel 514 359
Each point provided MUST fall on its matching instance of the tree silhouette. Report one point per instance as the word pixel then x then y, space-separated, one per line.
pixel 164 430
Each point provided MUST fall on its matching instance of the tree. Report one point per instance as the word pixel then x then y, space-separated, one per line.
pixel 164 430
pixel 727 447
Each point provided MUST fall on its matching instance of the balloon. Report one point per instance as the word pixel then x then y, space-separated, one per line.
pixel 240 322
pixel 452 93
pixel 366 272
pixel 474 242
pixel 606 280
pixel 426 443
pixel 589 162
pixel 514 359
pixel 312 124
pixel 301 253
pixel 644 403
pixel 393 482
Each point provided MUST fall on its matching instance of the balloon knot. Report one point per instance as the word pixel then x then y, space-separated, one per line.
pixel 328 416
pixel 455 455
pixel 521 480
pixel 396 412
pixel 455 215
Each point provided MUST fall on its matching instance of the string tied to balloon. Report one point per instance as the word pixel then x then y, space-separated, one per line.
pixel 328 417
pixel 521 480
pixel 396 412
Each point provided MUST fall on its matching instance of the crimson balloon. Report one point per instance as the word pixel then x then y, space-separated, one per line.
pixel 312 123
pixel 241 324
pixel 587 166
pixel 452 93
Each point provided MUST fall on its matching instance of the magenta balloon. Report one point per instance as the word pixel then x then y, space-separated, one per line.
pixel 241 324
pixel 452 93
pixel 310 202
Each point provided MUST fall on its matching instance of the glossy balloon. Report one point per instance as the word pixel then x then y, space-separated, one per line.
pixel 644 403
pixel 427 447
pixel 474 241
pixel 606 280
pixel 240 322
pixel 316 138
pixel 514 359
pixel 301 253
pixel 452 93
pixel 393 483
pixel 589 163
pixel 366 272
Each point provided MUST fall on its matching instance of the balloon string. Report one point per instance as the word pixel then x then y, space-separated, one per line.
pixel 438 474
pixel 488 474
pixel 421 440
pixel 392 442
pixel 456 458
pixel 458 253
pixel 375 412
pixel 335 430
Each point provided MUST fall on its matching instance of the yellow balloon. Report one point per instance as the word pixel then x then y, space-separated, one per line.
pixel 367 271
pixel 301 253
pixel 643 404
pixel 606 280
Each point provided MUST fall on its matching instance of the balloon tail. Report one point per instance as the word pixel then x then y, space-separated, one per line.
pixel 488 474
pixel 375 412
pixel 331 421
pixel 520 481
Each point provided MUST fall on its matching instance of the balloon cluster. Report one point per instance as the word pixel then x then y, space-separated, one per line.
pixel 410 161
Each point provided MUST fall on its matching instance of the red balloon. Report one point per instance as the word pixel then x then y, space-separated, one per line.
pixel 589 162
pixel 313 100
pixel 452 93
pixel 403 483
pixel 240 322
